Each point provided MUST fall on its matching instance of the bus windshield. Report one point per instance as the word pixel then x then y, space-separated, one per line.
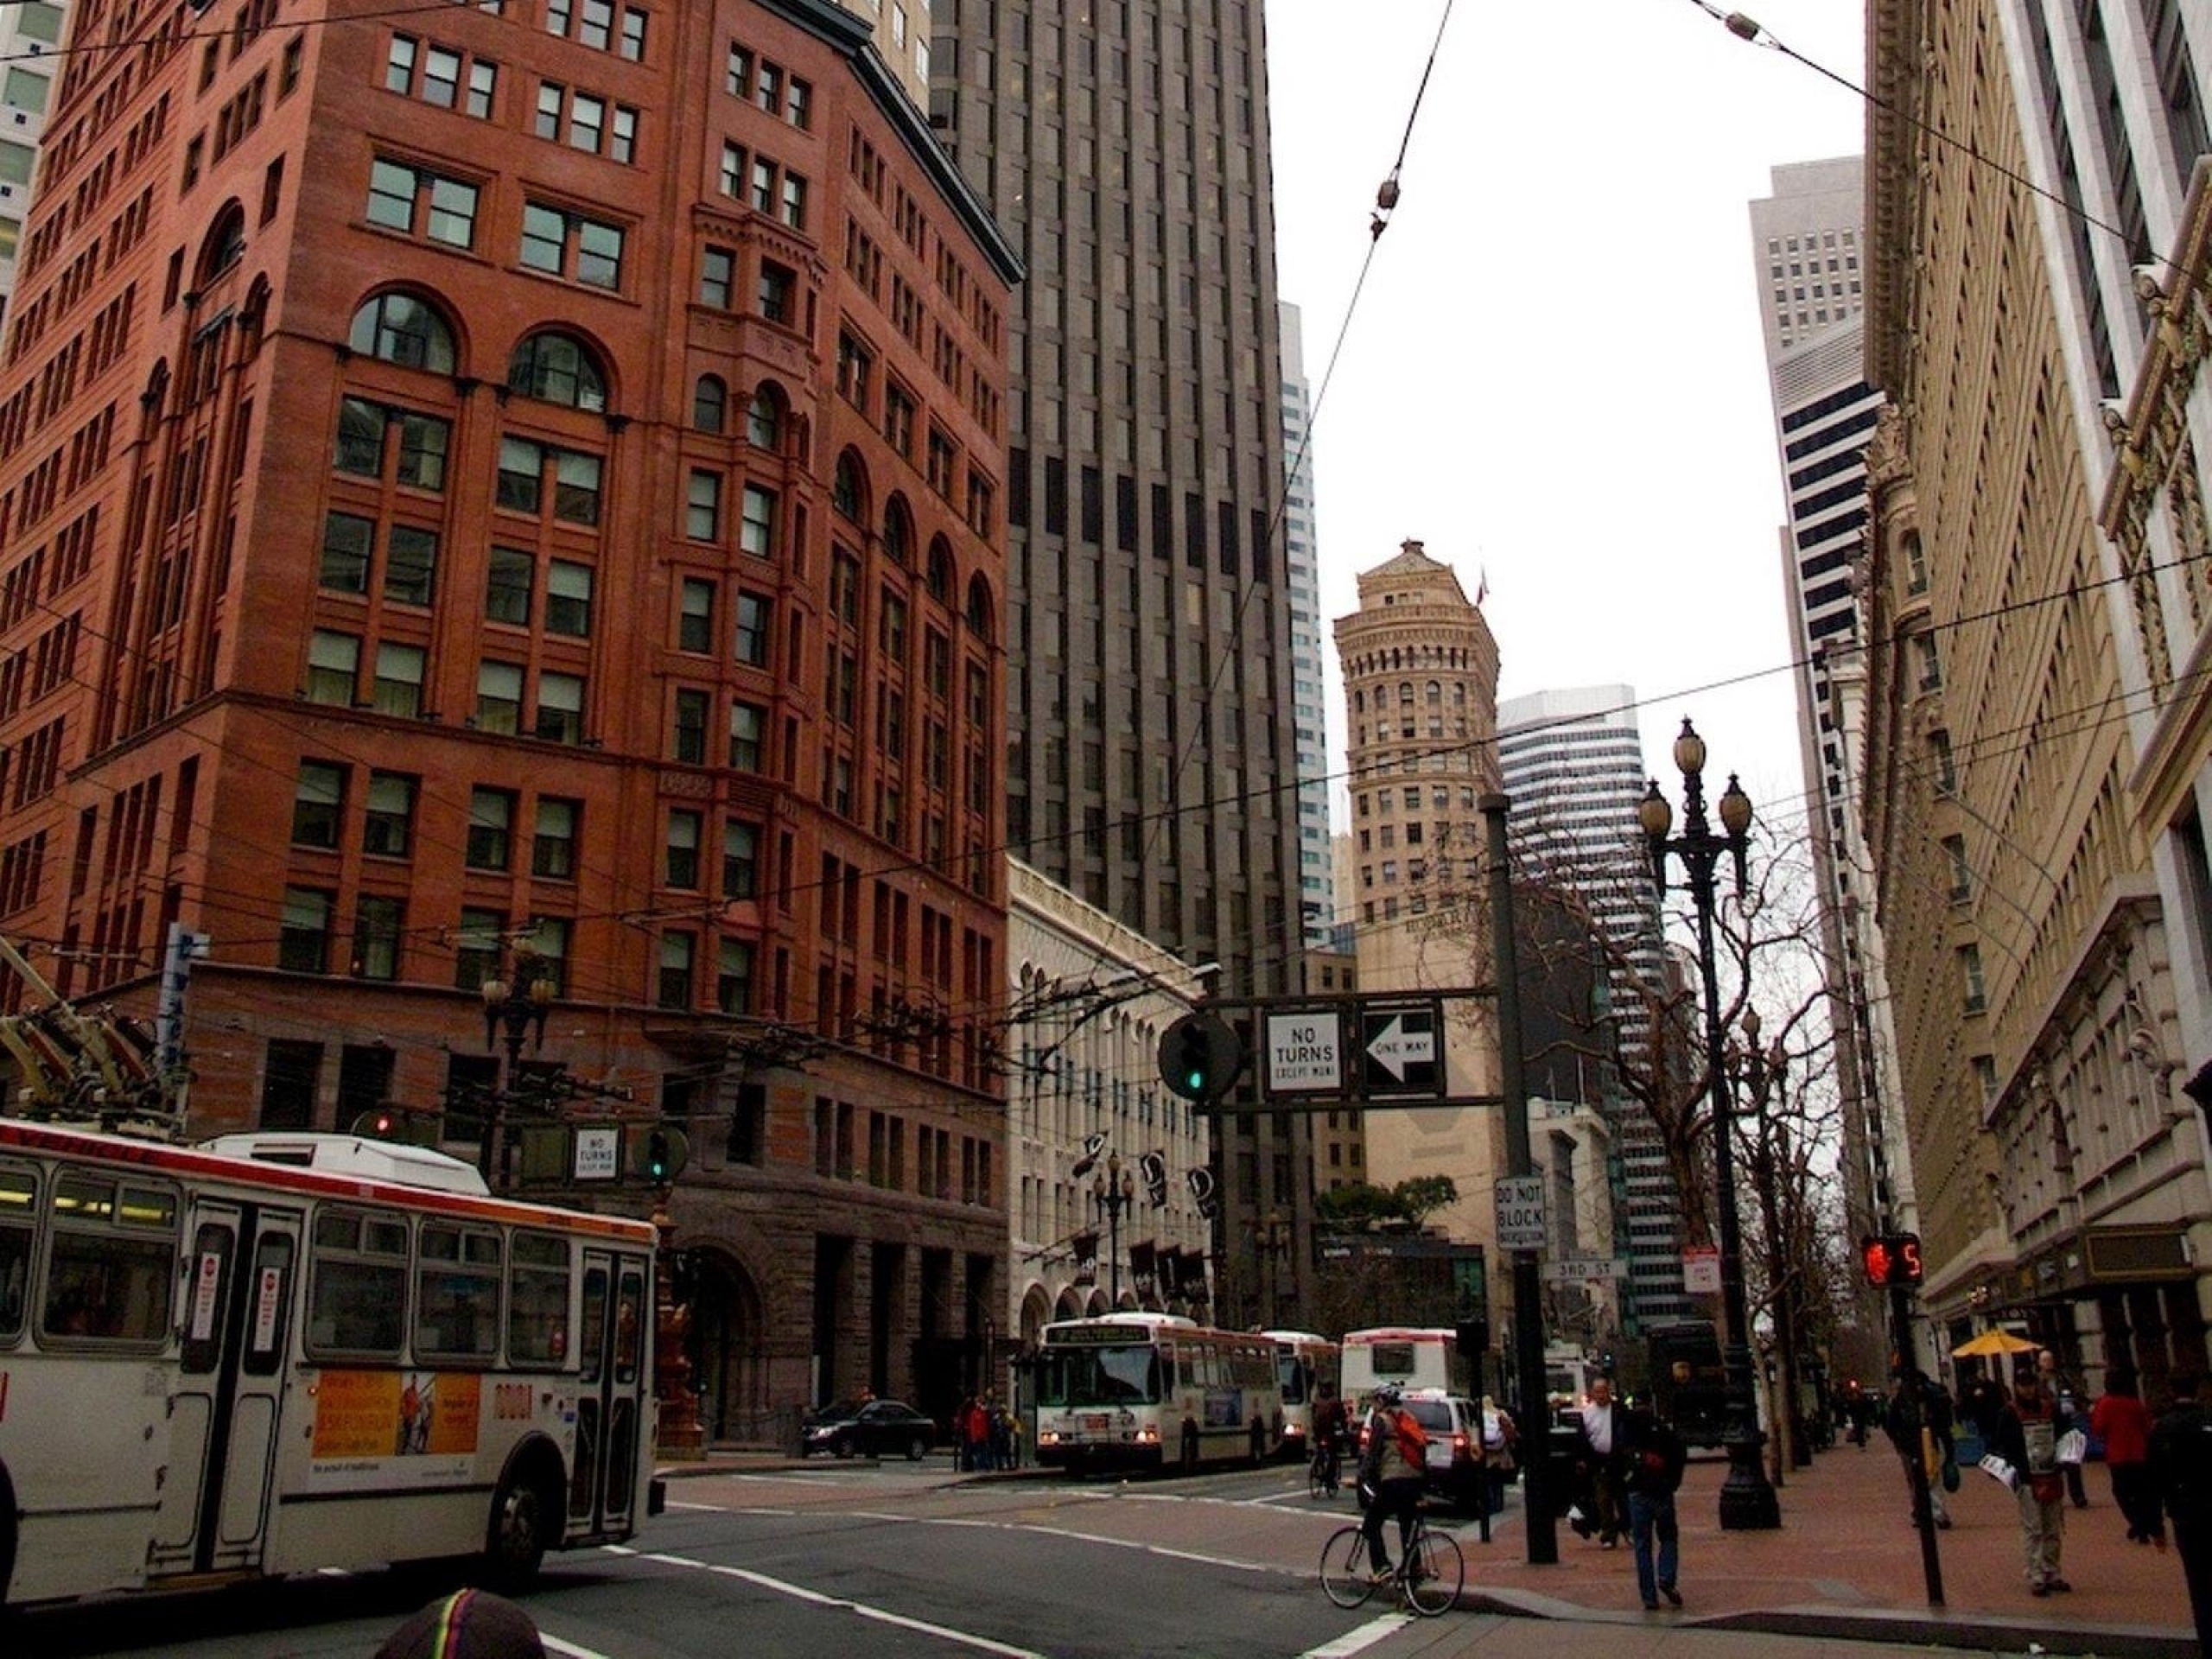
pixel 1125 1376
pixel 1292 1372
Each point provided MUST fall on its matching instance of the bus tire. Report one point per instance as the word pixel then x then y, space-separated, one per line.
pixel 1190 1448
pixel 525 1519
pixel 8 1523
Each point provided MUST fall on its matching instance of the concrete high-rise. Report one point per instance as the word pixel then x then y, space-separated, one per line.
pixel 1302 564
pixel 1572 760
pixel 1806 244
pixel 31 35
pixel 1152 738
pixel 1421 690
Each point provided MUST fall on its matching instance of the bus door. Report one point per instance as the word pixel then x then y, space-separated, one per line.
pixel 228 1396
pixel 611 1405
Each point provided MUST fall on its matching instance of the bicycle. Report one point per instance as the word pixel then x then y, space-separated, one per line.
pixel 1428 1579
pixel 1324 1473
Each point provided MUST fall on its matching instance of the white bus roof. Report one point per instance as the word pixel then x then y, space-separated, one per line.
pixel 1298 1336
pixel 356 1155
pixel 1165 1320
pixel 1402 1333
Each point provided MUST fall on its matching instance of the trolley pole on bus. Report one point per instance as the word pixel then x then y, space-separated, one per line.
pixel 1527 1287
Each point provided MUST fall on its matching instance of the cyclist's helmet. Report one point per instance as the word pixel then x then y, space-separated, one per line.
pixel 1386 1396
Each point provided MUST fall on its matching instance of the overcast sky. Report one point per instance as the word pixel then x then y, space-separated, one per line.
pixel 1554 374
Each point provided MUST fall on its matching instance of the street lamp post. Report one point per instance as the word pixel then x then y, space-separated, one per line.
pixel 1747 1501
pixel 1271 1238
pixel 513 1009
pixel 1113 1191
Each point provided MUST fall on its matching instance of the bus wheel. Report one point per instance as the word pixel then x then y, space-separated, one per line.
pixel 524 1511
pixel 1190 1448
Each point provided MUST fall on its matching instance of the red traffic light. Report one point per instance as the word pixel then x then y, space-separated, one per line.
pixel 1891 1259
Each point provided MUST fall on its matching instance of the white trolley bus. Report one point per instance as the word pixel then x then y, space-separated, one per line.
pixel 277 1353
pixel 1410 1356
pixel 1152 1391
pixel 1305 1363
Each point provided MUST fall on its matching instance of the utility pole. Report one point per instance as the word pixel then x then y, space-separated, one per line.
pixel 1527 1287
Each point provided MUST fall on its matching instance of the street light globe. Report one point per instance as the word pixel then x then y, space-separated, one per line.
pixel 1654 813
pixel 1735 808
pixel 1689 749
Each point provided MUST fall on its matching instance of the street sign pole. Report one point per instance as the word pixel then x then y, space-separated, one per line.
pixel 1527 1288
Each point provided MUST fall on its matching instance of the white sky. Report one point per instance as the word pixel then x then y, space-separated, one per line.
pixel 1556 373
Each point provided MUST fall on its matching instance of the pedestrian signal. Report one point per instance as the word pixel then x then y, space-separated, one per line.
pixel 1891 1259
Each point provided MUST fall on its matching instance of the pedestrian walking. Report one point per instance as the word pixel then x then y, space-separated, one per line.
pixel 2181 1453
pixel 2122 1421
pixel 2064 1400
pixel 1500 1452
pixel 978 1430
pixel 2027 1439
pixel 1654 1458
pixel 1600 1465
pixel 1919 1425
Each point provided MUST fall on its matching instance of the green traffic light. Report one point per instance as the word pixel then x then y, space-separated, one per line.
pixel 1198 1080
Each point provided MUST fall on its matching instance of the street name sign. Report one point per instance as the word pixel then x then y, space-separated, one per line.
pixel 1520 1212
pixel 1304 1052
pixel 1583 1269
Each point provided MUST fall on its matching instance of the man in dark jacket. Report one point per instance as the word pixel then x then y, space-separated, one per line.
pixel 1654 1455
pixel 2027 1439
pixel 1918 1423
pixel 2181 1453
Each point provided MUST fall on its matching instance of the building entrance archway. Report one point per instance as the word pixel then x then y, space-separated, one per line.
pixel 727 1343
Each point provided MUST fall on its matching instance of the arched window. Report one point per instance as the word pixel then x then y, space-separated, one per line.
pixel 764 419
pixel 940 575
pixel 980 609
pixel 1435 695
pixel 709 403
pixel 849 488
pixel 403 329
pixel 558 368
pixel 224 244
pixel 898 534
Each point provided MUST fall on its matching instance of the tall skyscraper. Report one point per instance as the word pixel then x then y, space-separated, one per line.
pixel 1806 245
pixel 1571 760
pixel 1301 560
pixel 31 35
pixel 530 515
pixel 1420 691
pixel 1152 742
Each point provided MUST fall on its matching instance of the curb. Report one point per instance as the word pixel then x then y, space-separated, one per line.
pixel 1977 1632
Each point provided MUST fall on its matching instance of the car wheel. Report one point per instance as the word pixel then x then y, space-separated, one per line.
pixel 916 1449
pixel 844 1446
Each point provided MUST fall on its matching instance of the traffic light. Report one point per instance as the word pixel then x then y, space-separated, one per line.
pixel 659 1161
pixel 1200 1057
pixel 1891 1259
pixel 1472 1338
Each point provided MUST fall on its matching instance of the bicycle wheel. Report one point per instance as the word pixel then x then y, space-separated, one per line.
pixel 1344 1572
pixel 1436 1573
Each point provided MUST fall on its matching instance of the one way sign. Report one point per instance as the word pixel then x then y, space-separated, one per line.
pixel 1399 1053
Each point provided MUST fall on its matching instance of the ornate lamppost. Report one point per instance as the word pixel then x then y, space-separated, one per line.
pixel 1747 1501
pixel 514 1009
pixel 1114 1190
pixel 1271 1239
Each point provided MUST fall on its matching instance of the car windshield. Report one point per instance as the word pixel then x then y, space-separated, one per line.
pixel 1099 1376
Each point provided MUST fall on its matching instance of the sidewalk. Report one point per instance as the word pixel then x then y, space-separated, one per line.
pixel 1846 1563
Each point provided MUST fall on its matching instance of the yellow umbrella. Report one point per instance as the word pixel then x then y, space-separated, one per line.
pixel 1991 1343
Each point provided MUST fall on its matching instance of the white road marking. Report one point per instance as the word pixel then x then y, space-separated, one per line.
pixel 706 1509
pixel 819 1599
pixel 568 1650
pixel 1356 1641
pixel 1207 1560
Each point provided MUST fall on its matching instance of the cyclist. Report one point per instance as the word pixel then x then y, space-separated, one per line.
pixel 1328 1434
pixel 1392 1467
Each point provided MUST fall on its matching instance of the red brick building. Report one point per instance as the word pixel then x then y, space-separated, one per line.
pixel 530 473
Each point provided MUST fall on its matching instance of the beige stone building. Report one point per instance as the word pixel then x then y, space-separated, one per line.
pixel 1421 683
pixel 2038 726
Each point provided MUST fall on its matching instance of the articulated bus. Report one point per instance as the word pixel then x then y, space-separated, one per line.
pixel 1152 1391
pixel 276 1353
pixel 1304 1363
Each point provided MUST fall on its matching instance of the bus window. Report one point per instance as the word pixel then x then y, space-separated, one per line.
pixel 272 1304
pixel 457 1292
pixel 629 1326
pixel 357 1286
pixel 18 1213
pixel 209 1287
pixel 537 1300
pixel 110 1262
pixel 593 1350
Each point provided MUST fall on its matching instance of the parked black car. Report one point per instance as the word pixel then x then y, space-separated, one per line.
pixel 877 1428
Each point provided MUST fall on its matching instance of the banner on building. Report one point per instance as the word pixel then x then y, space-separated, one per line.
pixel 1140 1267
pixel 1085 1246
pixel 1155 1166
pixel 1192 1278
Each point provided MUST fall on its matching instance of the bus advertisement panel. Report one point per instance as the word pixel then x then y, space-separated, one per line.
pixel 290 1352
